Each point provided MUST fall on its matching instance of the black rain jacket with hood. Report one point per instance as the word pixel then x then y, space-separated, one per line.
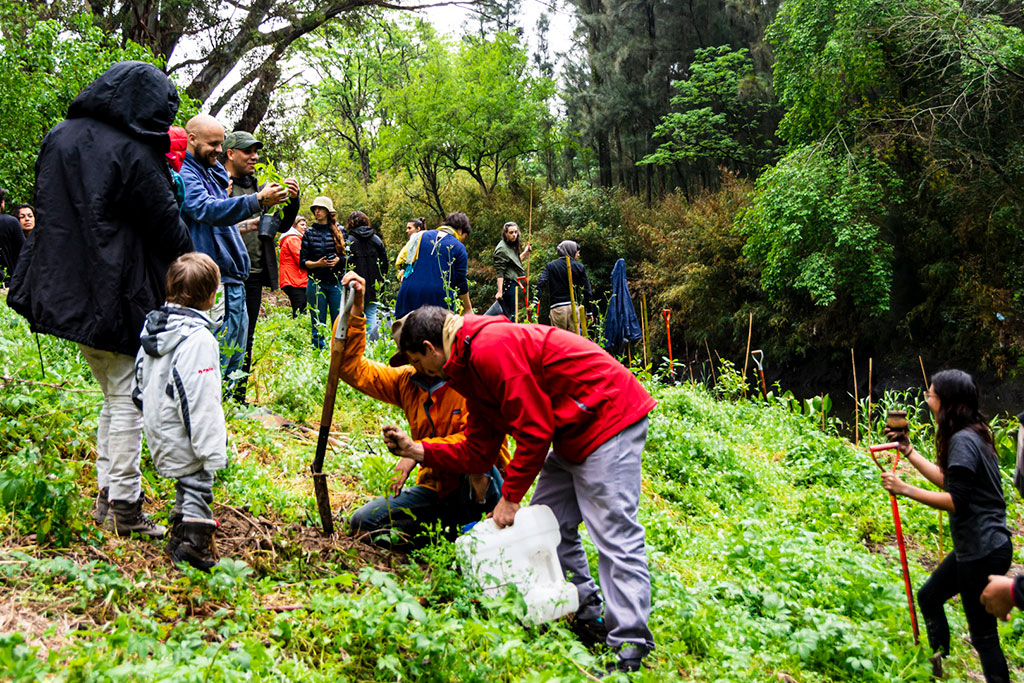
pixel 107 223
pixel 367 256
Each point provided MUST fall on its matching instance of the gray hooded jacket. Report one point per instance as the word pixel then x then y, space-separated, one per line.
pixel 177 376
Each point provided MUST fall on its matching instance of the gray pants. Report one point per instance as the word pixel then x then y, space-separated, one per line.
pixel 604 492
pixel 119 437
pixel 193 494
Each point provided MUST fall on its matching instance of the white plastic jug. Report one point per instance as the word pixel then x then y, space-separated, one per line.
pixel 523 554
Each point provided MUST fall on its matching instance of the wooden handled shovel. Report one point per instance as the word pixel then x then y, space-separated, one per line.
pixel 323 499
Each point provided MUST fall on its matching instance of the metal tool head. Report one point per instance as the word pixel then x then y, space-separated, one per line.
pixel 348 297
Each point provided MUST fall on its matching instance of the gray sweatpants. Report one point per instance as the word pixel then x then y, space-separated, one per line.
pixel 193 494
pixel 119 435
pixel 603 491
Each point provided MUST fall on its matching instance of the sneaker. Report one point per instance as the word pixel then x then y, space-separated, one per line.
pixel 196 545
pixel 936 660
pixel 102 506
pixel 124 519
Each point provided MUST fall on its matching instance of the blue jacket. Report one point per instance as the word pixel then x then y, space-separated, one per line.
pixel 438 276
pixel 621 326
pixel 211 216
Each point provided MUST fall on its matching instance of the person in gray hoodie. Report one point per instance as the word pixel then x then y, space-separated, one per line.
pixel 178 389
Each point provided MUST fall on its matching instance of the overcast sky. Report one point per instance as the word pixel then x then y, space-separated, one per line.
pixel 450 20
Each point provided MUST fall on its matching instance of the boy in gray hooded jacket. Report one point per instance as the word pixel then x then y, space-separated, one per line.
pixel 177 372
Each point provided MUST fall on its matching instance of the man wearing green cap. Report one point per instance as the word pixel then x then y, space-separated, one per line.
pixel 241 150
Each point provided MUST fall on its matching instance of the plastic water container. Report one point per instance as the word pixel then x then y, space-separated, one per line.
pixel 524 555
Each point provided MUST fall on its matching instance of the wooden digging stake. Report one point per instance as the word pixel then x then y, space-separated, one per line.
pixel 574 314
pixel 712 361
pixel 856 402
pixel 643 321
pixel 746 358
pixel 870 371
pixel 529 241
pixel 942 531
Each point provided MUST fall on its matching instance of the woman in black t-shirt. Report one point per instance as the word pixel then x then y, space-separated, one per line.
pixel 967 470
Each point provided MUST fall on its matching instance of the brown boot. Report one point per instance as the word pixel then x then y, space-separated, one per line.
pixel 125 519
pixel 196 546
pixel 101 506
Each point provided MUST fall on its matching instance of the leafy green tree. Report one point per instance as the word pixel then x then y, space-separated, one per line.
pixel 476 109
pixel 353 69
pixel 42 69
pixel 813 229
pixel 722 109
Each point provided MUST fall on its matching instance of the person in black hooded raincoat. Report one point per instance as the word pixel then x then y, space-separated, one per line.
pixel 107 229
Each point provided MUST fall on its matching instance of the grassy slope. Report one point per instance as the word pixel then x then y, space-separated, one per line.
pixel 770 543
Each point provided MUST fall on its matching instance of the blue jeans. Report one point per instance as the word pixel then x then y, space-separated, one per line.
pixel 322 299
pixel 416 508
pixel 370 311
pixel 233 331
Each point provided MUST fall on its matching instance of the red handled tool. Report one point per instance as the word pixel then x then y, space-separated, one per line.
pixel 666 314
pixel 893 446
pixel 520 285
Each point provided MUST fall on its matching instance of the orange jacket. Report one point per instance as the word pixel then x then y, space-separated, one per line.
pixel 436 412
pixel 289 274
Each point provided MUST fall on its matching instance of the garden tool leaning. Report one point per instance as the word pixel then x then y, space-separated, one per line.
pixel 323 499
pixel 758 356
pixel 899 530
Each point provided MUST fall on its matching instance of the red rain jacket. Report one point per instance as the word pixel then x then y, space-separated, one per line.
pixel 542 385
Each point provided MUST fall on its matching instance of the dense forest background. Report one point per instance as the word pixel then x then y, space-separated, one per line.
pixel 849 172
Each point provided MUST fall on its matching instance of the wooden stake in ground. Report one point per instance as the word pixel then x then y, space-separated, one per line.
pixel 942 517
pixel 529 257
pixel 574 314
pixel 712 361
pixel 746 357
pixel 643 321
pixel 856 402
pixel 870 371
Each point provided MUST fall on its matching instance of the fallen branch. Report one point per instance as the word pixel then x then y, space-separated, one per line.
pixel 7 380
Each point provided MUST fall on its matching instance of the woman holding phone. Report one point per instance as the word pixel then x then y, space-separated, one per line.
pixel 321 254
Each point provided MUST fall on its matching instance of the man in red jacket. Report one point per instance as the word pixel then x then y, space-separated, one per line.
pixel 549 388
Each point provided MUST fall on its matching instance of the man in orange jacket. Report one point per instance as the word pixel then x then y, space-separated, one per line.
pixel 436 414
pixel 550 388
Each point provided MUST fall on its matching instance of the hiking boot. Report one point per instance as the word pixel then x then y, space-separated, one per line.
pixel 124 519
pixel 196 546
pixel 174 531
pixel 102 505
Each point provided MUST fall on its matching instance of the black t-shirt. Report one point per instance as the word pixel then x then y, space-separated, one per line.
pixel 978 526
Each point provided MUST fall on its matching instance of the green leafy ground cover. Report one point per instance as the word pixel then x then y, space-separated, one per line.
pixel 770 540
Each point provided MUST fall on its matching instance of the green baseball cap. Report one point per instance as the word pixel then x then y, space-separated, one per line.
pixel 240 139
